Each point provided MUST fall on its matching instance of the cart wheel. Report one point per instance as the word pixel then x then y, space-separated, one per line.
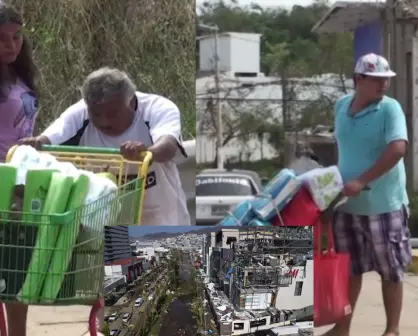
pixel 3 325
pixel 99 304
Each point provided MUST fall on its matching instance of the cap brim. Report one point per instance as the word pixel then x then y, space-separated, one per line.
pixel 380 74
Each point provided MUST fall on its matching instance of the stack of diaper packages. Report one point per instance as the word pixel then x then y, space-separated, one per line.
pixel 54 188
pixel 320 187
pixel 262 210
pixel 324 185
pixel 290 200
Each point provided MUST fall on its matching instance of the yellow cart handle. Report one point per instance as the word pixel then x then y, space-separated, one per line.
pixel 80 149
pixel 146 157
pixel 143 163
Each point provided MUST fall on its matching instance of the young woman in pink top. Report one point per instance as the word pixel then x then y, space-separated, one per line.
pixel 18 110
pixel 18 94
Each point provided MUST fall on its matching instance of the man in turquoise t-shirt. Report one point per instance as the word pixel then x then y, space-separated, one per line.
pixel 371 135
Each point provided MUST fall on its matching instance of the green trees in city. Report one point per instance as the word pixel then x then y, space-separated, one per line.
pixel 289 51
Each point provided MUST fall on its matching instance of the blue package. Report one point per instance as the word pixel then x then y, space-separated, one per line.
pixel 258 222
pixel 241 215
pixel 229 221
pixel 277 193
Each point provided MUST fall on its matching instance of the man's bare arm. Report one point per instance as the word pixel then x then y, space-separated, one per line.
pixel 394 152
pixel 164 149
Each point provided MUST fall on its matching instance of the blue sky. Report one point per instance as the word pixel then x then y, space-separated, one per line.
pixel 138 231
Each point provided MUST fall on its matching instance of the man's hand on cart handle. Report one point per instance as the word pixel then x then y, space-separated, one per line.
pixel 354 188
pixel 132 150
pixel 36 142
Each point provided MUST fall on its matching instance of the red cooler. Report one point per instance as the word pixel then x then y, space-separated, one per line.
pixel 300 211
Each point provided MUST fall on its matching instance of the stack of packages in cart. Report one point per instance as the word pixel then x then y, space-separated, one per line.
pixel 58 211
pixel 289 199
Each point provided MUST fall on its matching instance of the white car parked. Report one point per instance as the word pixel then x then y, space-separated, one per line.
pixel 218 192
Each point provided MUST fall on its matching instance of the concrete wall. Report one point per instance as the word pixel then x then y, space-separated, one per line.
pixel 401 48
pixel 187 171
pixel 286 298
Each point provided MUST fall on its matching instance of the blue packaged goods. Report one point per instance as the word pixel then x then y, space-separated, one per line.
pixel 241 215
pixel 229 221
pixel 277 193
pixel 258 222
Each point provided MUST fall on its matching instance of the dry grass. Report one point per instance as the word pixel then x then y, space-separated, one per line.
pixel 154 41
pixel 413 268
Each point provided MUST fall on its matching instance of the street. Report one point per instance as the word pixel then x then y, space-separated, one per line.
pixel 369 317
pixel 58 320
pixel 126 304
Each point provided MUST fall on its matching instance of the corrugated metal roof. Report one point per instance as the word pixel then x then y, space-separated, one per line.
pixel 345 16
pixel 408 8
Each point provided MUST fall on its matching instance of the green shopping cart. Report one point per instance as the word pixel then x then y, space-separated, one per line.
pixel 53 254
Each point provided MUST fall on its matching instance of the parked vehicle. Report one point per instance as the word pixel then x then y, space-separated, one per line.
pixel 126 317
pixel 218 192
pixel 113 317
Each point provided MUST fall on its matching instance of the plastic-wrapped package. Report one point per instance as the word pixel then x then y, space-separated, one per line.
pixel 324 184
pixel 277 193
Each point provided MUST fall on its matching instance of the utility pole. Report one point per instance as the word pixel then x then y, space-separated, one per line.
pixel 219 131
pixel 218 108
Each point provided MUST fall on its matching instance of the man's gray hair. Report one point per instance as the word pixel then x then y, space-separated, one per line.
pixel 103 84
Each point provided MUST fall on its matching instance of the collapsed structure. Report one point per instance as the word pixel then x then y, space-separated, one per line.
pixel 259 279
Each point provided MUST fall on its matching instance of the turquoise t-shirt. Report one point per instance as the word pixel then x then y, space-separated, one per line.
pixel 361 140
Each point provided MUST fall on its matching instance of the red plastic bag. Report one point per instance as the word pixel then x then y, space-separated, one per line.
pixel 301 211
pixel 331 281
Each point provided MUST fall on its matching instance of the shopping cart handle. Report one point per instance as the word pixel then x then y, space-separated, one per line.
pixel 327 213
pixel 144 156
pixel 80 149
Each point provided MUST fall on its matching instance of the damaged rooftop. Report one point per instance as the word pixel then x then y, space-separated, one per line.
pixel 346 16
pixel 226 312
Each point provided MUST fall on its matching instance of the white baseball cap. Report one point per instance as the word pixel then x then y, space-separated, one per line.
pixel 374 66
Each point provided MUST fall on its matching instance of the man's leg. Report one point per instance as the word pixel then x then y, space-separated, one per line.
pixel 393 254
pixel 16 318
pixel 392 300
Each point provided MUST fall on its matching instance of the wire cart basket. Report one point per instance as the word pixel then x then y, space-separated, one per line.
pixel 57 258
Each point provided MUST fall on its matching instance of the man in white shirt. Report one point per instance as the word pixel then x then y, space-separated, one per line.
pixel 113 114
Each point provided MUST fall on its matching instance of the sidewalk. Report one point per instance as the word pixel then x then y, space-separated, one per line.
pixel 58 321
pixel 369 317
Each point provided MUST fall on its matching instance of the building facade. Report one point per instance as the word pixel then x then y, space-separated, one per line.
pixel 117 244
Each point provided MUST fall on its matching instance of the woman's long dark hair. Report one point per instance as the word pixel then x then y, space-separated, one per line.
pixel 23 67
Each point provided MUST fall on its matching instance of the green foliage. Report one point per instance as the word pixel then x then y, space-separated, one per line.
pixel 290 52
pixel 287 37
pixel 153 41
pixel 106 331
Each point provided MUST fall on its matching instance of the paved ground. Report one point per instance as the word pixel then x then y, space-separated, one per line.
pixel 369 318
pixel 62 321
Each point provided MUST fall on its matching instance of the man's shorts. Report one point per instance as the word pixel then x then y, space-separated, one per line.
pixel 16 247
pixel 378 243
